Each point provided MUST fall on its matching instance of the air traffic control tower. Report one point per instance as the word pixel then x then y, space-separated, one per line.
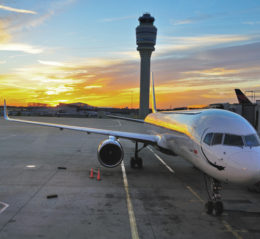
pixel 145 40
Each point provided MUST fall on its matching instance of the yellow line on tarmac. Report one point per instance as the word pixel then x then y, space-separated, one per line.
pixel 195 194
pixel 131 214
pixel 230 229
pixel 226 225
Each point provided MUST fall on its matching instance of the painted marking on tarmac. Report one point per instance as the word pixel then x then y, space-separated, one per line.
pixel 118 121
pixel 5 206
pixel 162 161
pixel 226 225
pixel 195 194
pixel 131 214
pixel 230 229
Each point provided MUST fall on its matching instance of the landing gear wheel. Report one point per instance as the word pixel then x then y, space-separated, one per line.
pixel 139 162
pixel 218 208
pixel 214 205
pixel 132 162
pixel 209 207
pixel 136 163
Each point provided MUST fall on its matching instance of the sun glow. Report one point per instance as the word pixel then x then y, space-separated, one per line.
pixel 53 83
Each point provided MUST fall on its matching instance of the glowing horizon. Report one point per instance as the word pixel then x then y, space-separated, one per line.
pixel 72 51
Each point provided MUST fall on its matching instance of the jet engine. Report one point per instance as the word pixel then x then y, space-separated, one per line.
pixel 110 152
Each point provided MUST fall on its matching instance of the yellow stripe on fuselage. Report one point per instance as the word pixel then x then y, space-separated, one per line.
pixel 170 121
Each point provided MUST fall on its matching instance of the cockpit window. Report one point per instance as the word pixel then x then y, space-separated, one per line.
pixel 233 140
pixel 213 138
pixel 252 140
pixel 217 138
pixel 208 138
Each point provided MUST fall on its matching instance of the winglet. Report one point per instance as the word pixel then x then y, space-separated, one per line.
pixel 153 102
pixel 5 111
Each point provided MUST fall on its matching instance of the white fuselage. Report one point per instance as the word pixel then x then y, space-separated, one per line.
pixel 226 154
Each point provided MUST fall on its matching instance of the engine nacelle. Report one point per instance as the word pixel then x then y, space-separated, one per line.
pixel 110 153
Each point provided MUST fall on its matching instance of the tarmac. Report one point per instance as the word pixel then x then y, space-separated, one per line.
pixel 46 192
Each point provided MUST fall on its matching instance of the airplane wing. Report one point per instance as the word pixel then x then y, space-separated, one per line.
pixel 144 138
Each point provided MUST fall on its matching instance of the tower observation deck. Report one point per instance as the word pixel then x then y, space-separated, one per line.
pixel 145 40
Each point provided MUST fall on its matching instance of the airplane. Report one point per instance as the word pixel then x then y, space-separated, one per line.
pixel 242 99
pixel 221 144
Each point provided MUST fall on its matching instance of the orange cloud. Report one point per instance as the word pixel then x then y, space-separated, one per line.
pixel 106 83
pixel 105 86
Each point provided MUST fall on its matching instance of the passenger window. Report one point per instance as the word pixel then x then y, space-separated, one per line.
pixel 217 139
pixel 251 140
pixel 207 139
pixel 233 140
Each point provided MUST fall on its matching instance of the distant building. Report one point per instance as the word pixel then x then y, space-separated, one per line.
pixel 76 109
pixel 34 104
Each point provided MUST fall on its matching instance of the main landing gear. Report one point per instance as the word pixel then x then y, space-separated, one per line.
pixel 214 204
pixel 137 162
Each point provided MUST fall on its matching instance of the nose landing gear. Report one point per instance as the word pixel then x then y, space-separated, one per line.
pixel 214 205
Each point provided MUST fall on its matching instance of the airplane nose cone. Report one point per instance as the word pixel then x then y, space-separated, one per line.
pixel 248 163
pixel 249 160
pixel 256 159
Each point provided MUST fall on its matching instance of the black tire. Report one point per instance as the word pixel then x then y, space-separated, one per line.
pixel 136 163
pixel 139 163
pixel 209 207
pixel 219 208
pixel 132 162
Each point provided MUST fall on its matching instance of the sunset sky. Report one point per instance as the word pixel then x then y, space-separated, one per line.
pixel 69 51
